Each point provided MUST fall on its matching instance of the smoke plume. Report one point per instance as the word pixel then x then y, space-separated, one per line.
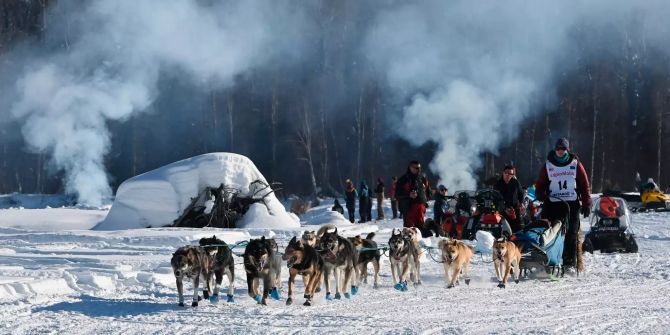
pixel 115 54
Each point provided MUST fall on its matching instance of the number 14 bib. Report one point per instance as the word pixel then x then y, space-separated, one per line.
pixel 562 181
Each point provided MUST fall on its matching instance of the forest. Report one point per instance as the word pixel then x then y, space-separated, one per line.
pixel 328 113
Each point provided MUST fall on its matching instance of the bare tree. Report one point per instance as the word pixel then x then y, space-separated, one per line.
pixel 304 140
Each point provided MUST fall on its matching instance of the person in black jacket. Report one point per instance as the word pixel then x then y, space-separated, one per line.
pixel 440 206
pixel 412 192
pixel 364 202
pixel 512 193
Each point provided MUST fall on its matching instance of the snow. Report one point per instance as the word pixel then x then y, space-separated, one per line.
pixel 158 197
pixel 65 278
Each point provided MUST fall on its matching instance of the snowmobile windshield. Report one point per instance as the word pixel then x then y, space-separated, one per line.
pixel 610 212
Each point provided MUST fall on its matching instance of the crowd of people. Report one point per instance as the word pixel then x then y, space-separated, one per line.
pixel 562 180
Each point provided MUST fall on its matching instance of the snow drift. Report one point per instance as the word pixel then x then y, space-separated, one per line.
pixel 158 197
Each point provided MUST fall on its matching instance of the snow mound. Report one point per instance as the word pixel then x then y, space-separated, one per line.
pixel 156 198
pixel 484 241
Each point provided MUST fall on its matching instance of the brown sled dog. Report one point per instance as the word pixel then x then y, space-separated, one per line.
pixel 506 254
pixel 302 259
pixel 191 262
pixel 455 256
pixel 369 254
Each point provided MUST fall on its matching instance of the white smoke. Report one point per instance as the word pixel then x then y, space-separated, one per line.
pixel 473 71
pixel 118 51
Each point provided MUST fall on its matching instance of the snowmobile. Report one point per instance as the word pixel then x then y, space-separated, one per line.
pixel 650 199
pixel 488 215
pixel 610 222
pixel 461 207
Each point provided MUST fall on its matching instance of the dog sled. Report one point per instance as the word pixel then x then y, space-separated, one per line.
pixel 541 243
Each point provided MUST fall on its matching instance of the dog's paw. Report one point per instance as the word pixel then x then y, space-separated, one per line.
pixel 501 285
pixel 230 299
pixel 318 289
pixel 404 288
pixel 398 286
pixel 329 296
pixel 467 281
pixel 181 304
pixel 214 298
pixel 258 298
pixel 338 296
pixel 205 294
pixel 264 302
pixel 194 304
pixel 450 286
pixel 289 301
pixel 354 290
pixel 347 295
pixel 307 303
pixel 516 281
pixel 275 294
pixel 375 286
pixel 199 298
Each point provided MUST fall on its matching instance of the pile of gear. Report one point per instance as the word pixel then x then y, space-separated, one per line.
pixel 222 206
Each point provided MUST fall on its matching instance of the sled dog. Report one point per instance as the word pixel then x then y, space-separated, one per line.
pixel 222 263
pixel 506 254
pixel 455 256
pixel 310 238
pixel 302 259
pixel 338 256
pixel 370 254
pixel 191 262
pixel 403 257
pixel 414 235
pixel 259 256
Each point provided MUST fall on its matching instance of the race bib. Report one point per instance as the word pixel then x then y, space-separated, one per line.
pixel 562 181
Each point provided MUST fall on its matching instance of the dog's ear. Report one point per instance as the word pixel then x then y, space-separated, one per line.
pixel 214 237
pixel 263 238
pixel 335 231
pixel 293 240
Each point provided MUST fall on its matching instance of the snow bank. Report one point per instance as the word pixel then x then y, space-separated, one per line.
pixel 158 197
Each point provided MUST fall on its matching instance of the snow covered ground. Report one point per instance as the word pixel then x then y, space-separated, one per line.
pixel 57 276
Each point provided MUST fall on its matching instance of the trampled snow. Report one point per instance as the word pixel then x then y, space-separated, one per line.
pixel 71 280
pixel 158 197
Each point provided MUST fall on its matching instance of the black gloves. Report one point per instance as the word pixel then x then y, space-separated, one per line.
pixel 586 211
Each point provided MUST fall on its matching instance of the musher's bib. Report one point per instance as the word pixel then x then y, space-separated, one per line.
pixel 562 181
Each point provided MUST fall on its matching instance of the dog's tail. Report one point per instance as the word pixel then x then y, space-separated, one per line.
pixel 324 229
pixel 370 236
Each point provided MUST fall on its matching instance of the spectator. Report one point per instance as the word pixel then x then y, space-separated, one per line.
pixel 510 189
pixel 364 202
pixel 412 194
pixel 394 201
pixel 379 192
pixel 350 196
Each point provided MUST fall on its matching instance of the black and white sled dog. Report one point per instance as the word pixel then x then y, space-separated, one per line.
pixel 192 262
pixel 222 263
pixel 365 251
pixel 338 256
pixel 259 263
pixel 304 260
pixel 404 258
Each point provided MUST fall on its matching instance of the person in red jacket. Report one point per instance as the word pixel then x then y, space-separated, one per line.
pixel 412 192
pixel 563 178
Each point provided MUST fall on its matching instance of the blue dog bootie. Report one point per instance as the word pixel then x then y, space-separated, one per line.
pixel 258 298
pixel 354 290
pixel 347 295
pixel 275 294
pixel 338 296
pixel 398 286
pixel 214 298
pixel 329 296
pixel 230 299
